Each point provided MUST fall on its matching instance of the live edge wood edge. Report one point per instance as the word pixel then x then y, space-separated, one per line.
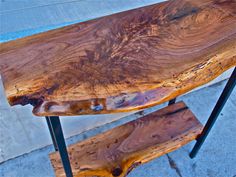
pixel 119 150
pixel 122 62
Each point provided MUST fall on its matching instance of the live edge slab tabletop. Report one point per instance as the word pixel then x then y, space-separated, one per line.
pixel 122 62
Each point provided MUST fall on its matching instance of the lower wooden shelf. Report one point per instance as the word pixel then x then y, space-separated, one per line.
pixel 119 150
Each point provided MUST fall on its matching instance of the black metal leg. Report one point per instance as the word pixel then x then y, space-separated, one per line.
pixel 215 113
pixel 51 133
pixel 172 101
pixel 61 145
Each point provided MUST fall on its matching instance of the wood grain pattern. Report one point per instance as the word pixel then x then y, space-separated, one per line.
pixel 123 62
pixel 119 150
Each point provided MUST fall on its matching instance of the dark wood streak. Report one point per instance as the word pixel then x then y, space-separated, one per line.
pixel 122 62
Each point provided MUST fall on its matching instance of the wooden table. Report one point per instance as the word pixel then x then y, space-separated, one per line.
pixel 123 62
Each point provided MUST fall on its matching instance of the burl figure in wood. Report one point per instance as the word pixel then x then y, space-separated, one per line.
pixel 121 62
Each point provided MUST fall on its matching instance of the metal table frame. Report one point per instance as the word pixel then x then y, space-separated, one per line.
pixel 58 139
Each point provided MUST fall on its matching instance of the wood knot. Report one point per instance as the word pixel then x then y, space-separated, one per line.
pixel 117 172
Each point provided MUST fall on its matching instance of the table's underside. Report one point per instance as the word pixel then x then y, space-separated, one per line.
pixel 122 62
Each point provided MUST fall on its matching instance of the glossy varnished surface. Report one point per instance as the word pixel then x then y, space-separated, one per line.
pixel 121 62
pixel 119 150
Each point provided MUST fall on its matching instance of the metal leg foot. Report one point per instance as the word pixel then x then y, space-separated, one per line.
pixel 60 142
pixel 215 113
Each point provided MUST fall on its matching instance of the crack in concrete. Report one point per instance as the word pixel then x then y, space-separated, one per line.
pixel 173 165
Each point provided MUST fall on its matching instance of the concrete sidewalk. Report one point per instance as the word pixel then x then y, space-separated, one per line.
pixel 217 157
